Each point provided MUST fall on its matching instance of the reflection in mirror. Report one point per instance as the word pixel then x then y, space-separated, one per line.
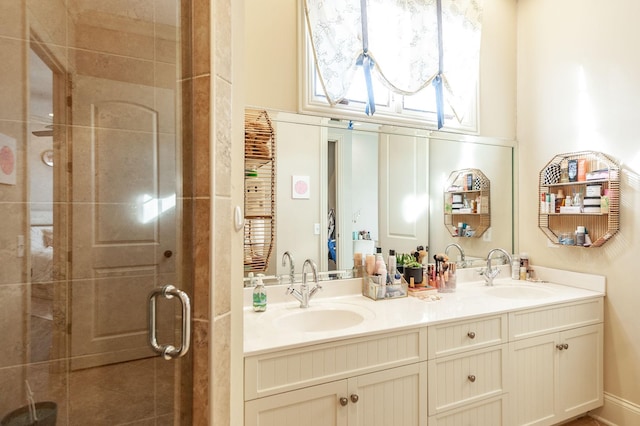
pixel 383 181
pixel 41 243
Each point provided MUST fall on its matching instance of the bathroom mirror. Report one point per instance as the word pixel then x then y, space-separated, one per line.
pixel 381 181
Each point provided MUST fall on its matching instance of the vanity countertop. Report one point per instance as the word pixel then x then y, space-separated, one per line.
pixel 273 329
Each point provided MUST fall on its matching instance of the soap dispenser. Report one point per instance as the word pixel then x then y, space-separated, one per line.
pixel 259 296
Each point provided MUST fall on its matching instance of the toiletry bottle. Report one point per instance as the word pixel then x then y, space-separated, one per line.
pixel 260 296
pixel 392 267
pixel 523 273
pixel 580 233
pixel 357 265
pixel 380 265
pixel 515 267
pixel 370 264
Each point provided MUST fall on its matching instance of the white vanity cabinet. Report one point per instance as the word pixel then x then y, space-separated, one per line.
pixel 468 363
pixel 556 362
pixel 375 380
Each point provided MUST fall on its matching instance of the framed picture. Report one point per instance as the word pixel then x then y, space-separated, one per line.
pixel 7 160
pixel 300 187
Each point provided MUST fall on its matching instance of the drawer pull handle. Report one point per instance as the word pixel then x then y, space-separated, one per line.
pixel 471 334
pixel 471 378
pixel 565 346
pixel 560 346
pixel 354 398
pixel 344 401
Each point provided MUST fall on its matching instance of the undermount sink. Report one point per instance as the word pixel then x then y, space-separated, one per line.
pixel 519 292
pixel 322 317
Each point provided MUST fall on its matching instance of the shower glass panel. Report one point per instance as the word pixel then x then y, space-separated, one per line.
pixel 91 168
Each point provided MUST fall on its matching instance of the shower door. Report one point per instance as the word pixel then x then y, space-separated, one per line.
pixel 92 202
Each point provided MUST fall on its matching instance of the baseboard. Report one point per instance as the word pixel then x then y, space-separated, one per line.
pixel 617 412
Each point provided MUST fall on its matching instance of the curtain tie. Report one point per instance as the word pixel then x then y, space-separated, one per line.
pixel 437 81
pixel 365 60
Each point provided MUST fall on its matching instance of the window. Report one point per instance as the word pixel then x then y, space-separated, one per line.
pixel 402 96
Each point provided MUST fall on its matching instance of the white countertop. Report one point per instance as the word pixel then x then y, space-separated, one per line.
pixel 262 334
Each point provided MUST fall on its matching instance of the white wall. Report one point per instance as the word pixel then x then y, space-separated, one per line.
pixel 579 89
pixel 298 148
pixel 364 180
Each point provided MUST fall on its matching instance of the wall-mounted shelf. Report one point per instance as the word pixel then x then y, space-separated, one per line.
pixel 467 198
pixel 259 185
pixel 594 175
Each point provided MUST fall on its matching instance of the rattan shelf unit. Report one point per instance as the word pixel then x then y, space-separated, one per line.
pixel 260 190
pixel 601 172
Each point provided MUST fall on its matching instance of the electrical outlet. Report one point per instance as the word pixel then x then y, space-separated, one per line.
pixel 316 228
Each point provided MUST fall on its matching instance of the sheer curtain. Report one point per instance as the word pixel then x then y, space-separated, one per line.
pixel 407 44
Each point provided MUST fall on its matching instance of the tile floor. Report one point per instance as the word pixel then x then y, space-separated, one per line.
pixel 584 421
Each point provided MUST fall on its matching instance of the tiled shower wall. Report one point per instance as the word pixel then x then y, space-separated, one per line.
pixel 212 83
pixel 206 86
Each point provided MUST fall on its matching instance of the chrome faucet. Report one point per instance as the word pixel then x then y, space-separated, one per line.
pixel 286 255
pixel 489 274
pixel 305 295
pixel 446 251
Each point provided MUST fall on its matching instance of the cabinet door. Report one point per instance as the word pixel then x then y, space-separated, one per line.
pixel 391 397
pixel 580 372
pixel 313 406
pixel 533 371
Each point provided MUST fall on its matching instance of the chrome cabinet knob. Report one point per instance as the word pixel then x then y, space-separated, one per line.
pixel 354 398
pixel 471 378
pixel 344 401
pixel 471 335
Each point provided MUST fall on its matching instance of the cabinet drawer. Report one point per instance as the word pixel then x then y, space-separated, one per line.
pixel 281 371
pixel 550 319
pixel 488 412
pixel 465 378
pixel 451 338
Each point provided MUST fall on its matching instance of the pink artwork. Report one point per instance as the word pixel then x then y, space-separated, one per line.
pixel 300 187
pixel 7 160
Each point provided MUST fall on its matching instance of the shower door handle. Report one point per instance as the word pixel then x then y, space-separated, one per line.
pixel 169 351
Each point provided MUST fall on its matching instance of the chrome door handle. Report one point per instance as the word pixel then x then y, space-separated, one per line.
pixel 169 351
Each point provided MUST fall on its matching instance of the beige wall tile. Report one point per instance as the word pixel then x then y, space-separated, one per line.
pixel 201 135
pixel 47 19
pixel 107 33
pixel 12 83
pixel 112 394
pixel 201 362
pixel 12 20
pixel 12 266
pixel 222 39
pixel 201 37
pixel 111 67
pixel 202 271
pixel 221 370
pixel 222 119
pixel 222 259
pixel 13 323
